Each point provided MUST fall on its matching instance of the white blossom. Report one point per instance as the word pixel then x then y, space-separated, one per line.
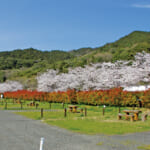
pixel 10 86
pixel 98 76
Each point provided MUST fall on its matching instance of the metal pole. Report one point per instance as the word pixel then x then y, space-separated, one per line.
pixel 103 111
pixel 50 105
pixel 41 112
pixel 41 143
pixel 6 105
pixel 119 109
pixel 82 111
pixel 36 106
pixel 65 112
pixel 85 112
pixel 21 105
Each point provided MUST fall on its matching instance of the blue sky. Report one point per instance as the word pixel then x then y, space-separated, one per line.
pixel 69 24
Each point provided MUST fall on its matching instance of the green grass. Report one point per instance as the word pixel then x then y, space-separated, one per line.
pixel 15 106
pixel 90 126
pixel 144 147
pixel 100 143
pixel 93 123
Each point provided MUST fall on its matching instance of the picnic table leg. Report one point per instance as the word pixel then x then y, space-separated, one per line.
pixel 82 111
pixel 70 109
pixel 75 109
pixel 136 116
pixel 126 116
pixel 132 118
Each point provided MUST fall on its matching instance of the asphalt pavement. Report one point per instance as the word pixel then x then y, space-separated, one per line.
pixel 20 133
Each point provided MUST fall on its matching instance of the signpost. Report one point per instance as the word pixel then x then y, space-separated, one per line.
pixel 104 110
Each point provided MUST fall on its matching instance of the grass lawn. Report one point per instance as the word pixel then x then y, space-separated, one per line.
pixel 93 123
pixel 144 147
pixel 11 105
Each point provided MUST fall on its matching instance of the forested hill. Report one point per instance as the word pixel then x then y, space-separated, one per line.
pixel 123 49
pixel 28 57
pixel 24 64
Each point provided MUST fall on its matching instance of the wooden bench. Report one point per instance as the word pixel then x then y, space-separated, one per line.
pixel 73 108
pixel 31 104
pixel 144 117
pixel 120 116
pixel 16 101
pixel 127 116
pixel 81 110
pixel 131 116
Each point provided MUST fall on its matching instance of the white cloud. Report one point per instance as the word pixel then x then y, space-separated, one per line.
pixel 141 6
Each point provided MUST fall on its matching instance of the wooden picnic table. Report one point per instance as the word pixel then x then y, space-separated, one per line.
pixel 73 108
pixel 135 113
pixel 31 104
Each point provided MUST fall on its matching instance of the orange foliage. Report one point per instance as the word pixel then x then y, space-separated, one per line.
pixel 112 97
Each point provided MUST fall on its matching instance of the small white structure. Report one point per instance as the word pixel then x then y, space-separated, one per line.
pixel 2 96
pixel 41 143
pixel 136 88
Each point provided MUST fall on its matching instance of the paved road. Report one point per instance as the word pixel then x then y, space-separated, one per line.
pixel 20 133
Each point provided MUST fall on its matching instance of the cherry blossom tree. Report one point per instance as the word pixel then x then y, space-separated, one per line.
pixel 98 76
